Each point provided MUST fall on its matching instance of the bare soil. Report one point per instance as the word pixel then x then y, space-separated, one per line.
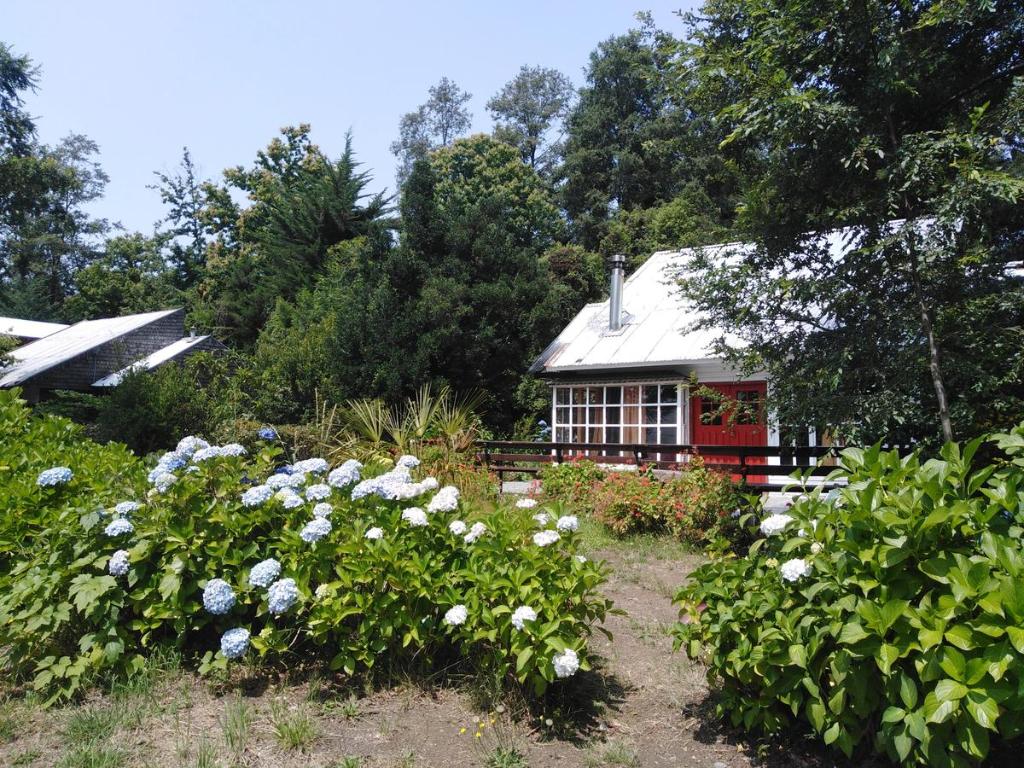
pixel 645 706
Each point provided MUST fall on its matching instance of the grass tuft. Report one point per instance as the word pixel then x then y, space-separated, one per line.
pixel 294 726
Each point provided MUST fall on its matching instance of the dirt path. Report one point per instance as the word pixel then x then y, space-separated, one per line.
pixel 645 714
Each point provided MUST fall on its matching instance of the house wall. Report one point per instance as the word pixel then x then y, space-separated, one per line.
pixel 80 372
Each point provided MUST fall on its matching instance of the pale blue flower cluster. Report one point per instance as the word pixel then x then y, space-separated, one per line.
pixel 267 433
pixel 119 527
pixel 323 509
pixel 54 476
pixel 257 495
pixel 234 643
pixel 407 461
pixel 171 461
pixel 233 449
pixel 264 573
pixel 281 596
pixel 318 492
pixel 189 445
pixel 125 508
pixel 218 597
pixel 311 466
pixel 289 498
pixel 163 481
pixel 205 454
pixel 396 485
pixel 286 480
pixel 348 473
pixel 315 529
pixel 118 565
pixel 445 500
pixel 415 517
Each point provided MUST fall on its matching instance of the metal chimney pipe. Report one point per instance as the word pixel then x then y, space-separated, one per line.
pixel 618 265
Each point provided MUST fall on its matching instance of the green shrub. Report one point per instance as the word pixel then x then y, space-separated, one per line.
pixel 895 621
pixel 64 616
pixel 571 481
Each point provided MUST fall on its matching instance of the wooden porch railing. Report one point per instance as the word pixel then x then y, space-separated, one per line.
pixel 749 464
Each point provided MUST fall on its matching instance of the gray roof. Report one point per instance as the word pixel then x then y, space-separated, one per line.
pixel 62 346
pixel 28 329
pixel 154 360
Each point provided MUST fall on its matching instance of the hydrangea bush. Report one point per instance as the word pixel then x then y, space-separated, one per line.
pixel 886 615
pixel 224 553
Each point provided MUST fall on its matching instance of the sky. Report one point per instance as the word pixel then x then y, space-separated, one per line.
pixel 144 78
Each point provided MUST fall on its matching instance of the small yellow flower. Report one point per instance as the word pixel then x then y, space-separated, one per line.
pixel 478 734
pixel 461 731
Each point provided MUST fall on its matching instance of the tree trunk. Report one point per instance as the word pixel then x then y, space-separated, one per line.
pixel 933 350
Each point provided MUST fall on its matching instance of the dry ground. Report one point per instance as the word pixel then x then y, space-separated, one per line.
pixel 645 707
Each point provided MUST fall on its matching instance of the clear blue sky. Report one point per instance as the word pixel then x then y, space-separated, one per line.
pixel 144 78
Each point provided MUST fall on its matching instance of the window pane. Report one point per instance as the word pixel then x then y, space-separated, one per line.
pixel 613 395
pixel 668 414
pixel 650 435
pixel 562 416
pixel 669 393
pixel 597 415
pixel 579 395
pixel 631 435
pixel 562 395
pixel 630 395
pixel 595 395
pixel 650 394
pixel 562 435
pixel 579 415
pixel 612 414
pixel 611 434
pixel 579 434
pixel 631 414
pixel 650 414
pixel 750 407
pixel 596 435
pixel 668 436
pixel 708 407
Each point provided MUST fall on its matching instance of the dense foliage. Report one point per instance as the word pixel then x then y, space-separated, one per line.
pixel 239 551
pixel 886 615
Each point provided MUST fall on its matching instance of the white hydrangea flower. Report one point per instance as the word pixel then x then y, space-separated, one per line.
pixel 264 573
pixel 581 559
pixel 429 483
pixel 315 466
pixel 164 481
pixel 415 517
pixel 457 527
pixel 375 533
pixel 279 480
pixel 322 592
pixel 774 524
pixel 795 569
pixel 289 499
pixel 526 503
pixel 323 509
pixel 521 615
pixel 318 492
pixel 478 530
pixel 542 519
pixel 568 523
pixel 456 616
pixel 125 508
pixel 545 538
pixel 445 500
pixel 816 548
pixel 346 474
pixel 565 663
pixel 407 461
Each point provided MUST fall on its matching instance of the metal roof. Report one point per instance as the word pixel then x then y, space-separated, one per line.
pixel 62 346
pixel 656 332
pixel 28 329
pixel 154 360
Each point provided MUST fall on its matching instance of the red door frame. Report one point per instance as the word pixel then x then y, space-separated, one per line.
pixel 725 433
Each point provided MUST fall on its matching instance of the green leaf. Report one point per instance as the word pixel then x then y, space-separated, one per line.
pixel 983 709
pixel 798 655
pixel 950 690
pixel 961 636
pixel 936 711
pixel 851 633
pixel 953 663
pixel 908 691
pixel 887 656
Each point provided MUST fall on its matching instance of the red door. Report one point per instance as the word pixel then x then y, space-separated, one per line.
pixel 741 421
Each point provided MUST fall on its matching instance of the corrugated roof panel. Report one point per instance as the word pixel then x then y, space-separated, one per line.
pixel 55 349
pixel 154 360
pixel 28 329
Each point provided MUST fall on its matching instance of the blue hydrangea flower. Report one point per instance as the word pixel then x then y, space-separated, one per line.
pixel 323 509
pixel 125 508
pixel 346 474
pixel 119 527
pixel 233 449
pixel 281 596
pixel 118 565
pixel 54 476
pixel 171 461
pixel 315 529
pixel 312 466
pixel 218 597
pixel 258 494
pixel 189 445
pixel 318 492
pixel 286 480
pixel 163 481
pixel 263 573
pixel 205 454
pixel 290 500
pixel 407 461
pixel 267 433
pixel 234 643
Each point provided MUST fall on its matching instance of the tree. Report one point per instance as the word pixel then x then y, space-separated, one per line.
pixel 633 141
pixel 526 110
pixel 431 125
pixel 17 128
pixel 901 123
pixel 182 192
